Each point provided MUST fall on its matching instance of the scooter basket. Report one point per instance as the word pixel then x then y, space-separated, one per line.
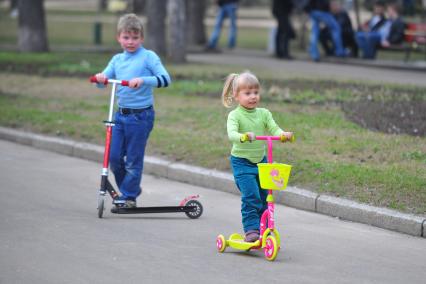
pixel 273 176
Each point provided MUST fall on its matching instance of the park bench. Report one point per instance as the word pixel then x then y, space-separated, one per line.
pixel 414 40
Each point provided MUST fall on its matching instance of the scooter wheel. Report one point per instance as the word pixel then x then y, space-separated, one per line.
pixel 220 243
pixel 198 212
pixel 271 248
pixel 101 207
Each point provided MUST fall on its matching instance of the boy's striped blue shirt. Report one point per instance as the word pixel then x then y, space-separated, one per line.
pixel 144 64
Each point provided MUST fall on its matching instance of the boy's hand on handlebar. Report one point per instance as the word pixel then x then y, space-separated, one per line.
pixel 100 77
pixel 135 83
pixel 248 136
pixel 287 136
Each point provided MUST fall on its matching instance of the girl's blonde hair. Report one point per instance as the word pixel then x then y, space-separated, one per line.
pixel 234 82
pixel 130 23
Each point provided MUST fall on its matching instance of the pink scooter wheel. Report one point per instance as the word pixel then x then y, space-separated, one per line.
pixel 220 243
pixel 271 248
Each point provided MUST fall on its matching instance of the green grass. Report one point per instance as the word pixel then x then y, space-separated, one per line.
pixel 332 155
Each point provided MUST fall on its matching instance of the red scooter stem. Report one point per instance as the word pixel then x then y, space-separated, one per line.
pixel 107 146
pixel 109 122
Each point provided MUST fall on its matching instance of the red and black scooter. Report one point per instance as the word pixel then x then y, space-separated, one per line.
pixel 191 207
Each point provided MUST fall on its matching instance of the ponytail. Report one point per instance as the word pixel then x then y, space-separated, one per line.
pixel 228 90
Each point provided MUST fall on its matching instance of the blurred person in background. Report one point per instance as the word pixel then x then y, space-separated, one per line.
pixel 227 9
pixel 347 32
pixel 377 19
pixel 281 9
pixel 319 13
pixel 390 32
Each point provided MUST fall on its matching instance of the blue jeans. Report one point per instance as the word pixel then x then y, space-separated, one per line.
pixel 368 42
pixel 230 11
pixel 253 198
pixel 318 17
pixel 129 137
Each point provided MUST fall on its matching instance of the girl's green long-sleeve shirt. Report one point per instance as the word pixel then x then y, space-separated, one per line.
pixel 260 122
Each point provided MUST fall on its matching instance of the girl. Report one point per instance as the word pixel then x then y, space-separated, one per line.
pixel 244 123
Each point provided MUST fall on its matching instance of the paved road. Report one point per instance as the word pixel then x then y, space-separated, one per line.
pixel 50 234
pixel 258 60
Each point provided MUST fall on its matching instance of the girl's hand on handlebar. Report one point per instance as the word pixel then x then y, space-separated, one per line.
pixel 287 136
pixel 135 83
pixel 248 136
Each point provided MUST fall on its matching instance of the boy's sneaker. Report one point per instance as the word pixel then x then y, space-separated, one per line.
pixel 124 203
pixel 251 236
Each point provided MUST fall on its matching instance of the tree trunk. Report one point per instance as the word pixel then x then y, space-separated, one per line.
pixel 196 29
pixel 177 31
pixel 32 35
pixel 156 26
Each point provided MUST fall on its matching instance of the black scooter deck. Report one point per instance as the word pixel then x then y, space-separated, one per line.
pixel 157 209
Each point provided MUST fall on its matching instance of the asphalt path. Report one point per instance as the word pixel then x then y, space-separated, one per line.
pixel 50 233
pixel 284 69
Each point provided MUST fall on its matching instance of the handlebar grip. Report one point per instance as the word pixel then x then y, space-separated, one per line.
pixel 124 83
pixel 291 140
pixel 94 80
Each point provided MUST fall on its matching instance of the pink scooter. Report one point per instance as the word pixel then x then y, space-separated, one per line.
pixel 273 176
pixel 191 207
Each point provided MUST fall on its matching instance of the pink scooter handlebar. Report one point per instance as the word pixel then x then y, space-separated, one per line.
pixel 121 82
pixel 292 139
pixel 269 143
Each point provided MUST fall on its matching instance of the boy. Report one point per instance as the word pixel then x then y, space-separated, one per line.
pixel 134 119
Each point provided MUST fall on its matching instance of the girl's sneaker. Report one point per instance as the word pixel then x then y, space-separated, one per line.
pixel 251 236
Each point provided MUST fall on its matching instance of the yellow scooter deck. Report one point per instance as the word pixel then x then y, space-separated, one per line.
pixel 236 241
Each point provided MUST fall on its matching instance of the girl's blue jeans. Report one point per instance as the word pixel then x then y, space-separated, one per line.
pixel 253 198
pixel 129 136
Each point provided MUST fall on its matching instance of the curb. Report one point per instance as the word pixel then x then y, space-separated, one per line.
pixel 293 196
pixel 414 66
pixel 383 64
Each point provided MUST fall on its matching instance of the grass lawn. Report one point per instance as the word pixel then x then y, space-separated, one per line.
pixel 332 154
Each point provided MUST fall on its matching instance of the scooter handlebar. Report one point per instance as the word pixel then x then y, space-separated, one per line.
pixel 93 79
pixel 292 139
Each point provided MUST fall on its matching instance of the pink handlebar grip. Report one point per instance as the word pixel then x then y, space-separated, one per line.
pixel 124 83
